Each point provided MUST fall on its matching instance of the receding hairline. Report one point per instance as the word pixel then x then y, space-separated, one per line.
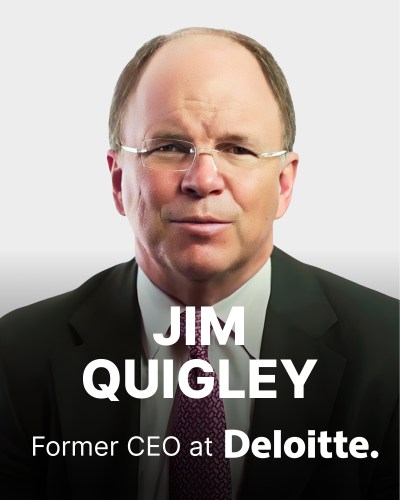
pixel 252 46
pixel 230 36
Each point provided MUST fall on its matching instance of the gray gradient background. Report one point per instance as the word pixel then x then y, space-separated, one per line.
pixel 59 65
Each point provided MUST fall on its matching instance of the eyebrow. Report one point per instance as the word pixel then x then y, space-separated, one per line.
pixel 229 137
pixel 170 135
pixel 235 138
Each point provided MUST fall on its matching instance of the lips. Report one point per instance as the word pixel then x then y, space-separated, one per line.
pixel 200 220
pixel 200 225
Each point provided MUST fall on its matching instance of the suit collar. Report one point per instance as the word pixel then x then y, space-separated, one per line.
pixel 296 297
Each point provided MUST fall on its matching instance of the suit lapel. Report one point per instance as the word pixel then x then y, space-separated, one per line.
pixel 297 321
pixel 106 325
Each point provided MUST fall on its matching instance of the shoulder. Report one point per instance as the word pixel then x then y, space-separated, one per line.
pixel 354 299
pixel 355 306
pixel 335 287
pixel 46 321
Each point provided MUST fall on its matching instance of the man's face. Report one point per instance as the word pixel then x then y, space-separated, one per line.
pixel 212 221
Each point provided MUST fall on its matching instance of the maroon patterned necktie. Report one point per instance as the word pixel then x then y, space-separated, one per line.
pixel 199 477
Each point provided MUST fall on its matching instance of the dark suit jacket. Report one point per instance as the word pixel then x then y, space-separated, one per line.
pixel 351 330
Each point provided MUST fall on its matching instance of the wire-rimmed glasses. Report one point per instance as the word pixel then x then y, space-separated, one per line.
pixel 179 155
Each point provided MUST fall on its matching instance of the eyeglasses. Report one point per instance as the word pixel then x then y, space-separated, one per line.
pixel 179 155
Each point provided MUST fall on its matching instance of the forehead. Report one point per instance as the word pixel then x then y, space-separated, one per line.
pixel 205 76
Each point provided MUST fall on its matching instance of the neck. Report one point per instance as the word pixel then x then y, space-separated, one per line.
pixel 198 290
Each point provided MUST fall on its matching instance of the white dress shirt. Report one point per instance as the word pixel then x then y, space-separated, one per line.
pixel 155 411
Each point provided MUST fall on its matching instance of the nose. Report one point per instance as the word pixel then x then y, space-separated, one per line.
pixel 203 177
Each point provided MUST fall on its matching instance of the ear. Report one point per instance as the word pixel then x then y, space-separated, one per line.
pixel 116 179
pixel 286 182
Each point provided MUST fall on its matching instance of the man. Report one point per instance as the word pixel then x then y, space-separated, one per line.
pixel 201 161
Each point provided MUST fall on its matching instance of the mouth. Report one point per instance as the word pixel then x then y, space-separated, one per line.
pixel 200 220
pixel 202 226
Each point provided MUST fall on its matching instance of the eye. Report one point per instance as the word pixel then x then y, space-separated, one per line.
pixel 169 148
pixel 237 150
pixel 165 146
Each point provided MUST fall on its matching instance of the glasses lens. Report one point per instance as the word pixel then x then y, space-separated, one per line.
pixel 167 154
pixel 239 157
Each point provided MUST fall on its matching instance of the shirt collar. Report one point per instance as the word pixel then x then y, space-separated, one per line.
pixel 155 306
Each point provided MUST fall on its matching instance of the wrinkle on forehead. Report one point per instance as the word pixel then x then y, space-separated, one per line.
pixel 207 106
pixel 208 122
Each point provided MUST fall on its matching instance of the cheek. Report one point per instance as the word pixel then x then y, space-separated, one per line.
pixel 131 195
pixel 144 194
pixel 271 202
pixel 258 196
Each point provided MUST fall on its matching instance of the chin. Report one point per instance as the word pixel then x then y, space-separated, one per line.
pixel 210 266
pixel 199 271
pixel 200 268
